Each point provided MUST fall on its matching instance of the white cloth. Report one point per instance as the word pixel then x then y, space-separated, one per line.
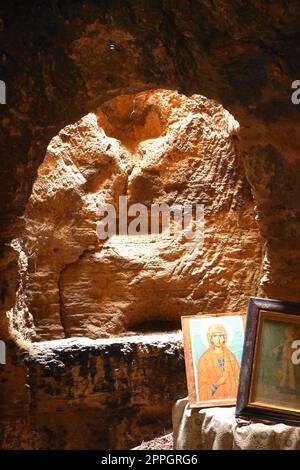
pixel 217 429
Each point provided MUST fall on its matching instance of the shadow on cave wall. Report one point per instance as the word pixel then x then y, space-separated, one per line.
pixel 60 62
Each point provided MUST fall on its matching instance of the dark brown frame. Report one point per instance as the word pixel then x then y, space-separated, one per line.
pixel 244 408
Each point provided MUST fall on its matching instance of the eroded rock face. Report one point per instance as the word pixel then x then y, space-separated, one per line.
pixel 243 54
pixel 154 147
pixel 85 394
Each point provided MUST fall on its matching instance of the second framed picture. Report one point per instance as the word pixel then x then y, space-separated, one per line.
pixel 269 386
pixel 213 346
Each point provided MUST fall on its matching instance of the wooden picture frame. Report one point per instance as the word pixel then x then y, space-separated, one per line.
pixel 213 346
pixel 269 388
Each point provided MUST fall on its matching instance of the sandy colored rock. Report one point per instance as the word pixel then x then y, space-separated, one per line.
pixel 60 63
pixel 109 50
pixel 153 147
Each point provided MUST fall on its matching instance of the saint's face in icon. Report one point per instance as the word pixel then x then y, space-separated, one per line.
pixel 217 339
pixel 290 332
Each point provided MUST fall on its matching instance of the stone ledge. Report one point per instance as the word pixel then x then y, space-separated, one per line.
pixel 98 394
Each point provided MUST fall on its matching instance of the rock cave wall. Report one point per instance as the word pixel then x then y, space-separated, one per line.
pixel 84 394
pixel 60 63
pixel 155 147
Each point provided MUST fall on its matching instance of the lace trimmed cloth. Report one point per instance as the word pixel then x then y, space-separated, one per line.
pixel 218 429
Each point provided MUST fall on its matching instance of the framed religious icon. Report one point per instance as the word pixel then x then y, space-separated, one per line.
pixel 269 387
pixel 213 346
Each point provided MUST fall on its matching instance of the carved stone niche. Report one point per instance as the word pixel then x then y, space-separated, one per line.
pixel 154 147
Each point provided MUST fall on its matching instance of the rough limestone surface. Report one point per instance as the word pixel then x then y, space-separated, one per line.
pixel 156 147
pixel 61 62
pixel 243 54
pixel 95 394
